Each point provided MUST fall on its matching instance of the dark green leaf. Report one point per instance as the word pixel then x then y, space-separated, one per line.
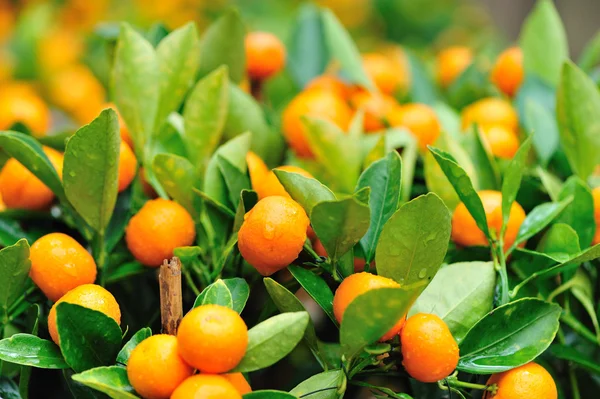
pixel 125 352
pixel 125 270
pixel 471 85
pixel 235 180
pixel 14 273
pixel 215 294
pixel 572 355
pixel 512 180
pixel 560 242
pixel 306 191
pixel 320 386
pixel 29 350
pixel 248 199
pixel 579 214
pixel 8 389
pixel 268 394
pixel 240 291
pixel 112 381
pixel 176 176
pixel 316 287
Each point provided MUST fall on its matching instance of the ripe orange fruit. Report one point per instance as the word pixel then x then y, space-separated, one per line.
pixel 465 231
pixel 357 284
pixel 157 229
pixel 489 112
pixel 59 264
pixel 91 296
pixel 239 382
pixel 376 107
pixel 530 381
pixel 271 185
pixel 212 338
pixel 503 143
pixel 21 189
pixel 382 72
pixel 7 20
pixel 451 62
pixel 330 83
pixel 420 119
pixel 507 73
pixel 273 234
pixel 265 55
pixel 206 386
pixel 155 368
pixel 318 104
pixel 429 350
pixel 58 49
pixel 257 168
pixel 596 195
pixel 19 102
pixel 127 166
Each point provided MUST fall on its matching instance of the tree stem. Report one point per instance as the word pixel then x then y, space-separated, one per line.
pixel 171 303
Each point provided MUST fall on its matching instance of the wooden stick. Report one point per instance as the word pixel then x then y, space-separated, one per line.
pixel 171 305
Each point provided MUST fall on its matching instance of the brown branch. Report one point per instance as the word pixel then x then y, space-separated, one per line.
pixel 171 306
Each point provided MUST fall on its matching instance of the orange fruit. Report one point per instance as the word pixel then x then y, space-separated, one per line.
pixel 507 73
pixel 503 143
pixel 157 229
pixel 2 206
pixel 420 119
pixel 205 386
pixel 489 112
pixel 125 136
pixel 271 185
pixel 596 195
pixel 265 55
pixel 212 338
pixel 7 20
pixel 451 62
pixel 330 83
pixel 155 368
pixel 376 107
pixel 90 296
pixel 530 381
pixel 429 350
pixel 465 231
pixel 382 72
pixel 357 284
pixel 59 264
pixel 401 64
pixel 59 48
pixel 257 169
pixel 318 104
pixel 19 102
pixel 273 234
pixel 21 189
pixel 239 382
pixel 127 166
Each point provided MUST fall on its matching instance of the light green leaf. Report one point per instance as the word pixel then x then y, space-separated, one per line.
pixel 215 294
pixel 14 273
pixel 29 350
pixel 512 181
pixel 316 386
pixel 112 381
pixel 176 176
pixel 125 352
pixel 306 191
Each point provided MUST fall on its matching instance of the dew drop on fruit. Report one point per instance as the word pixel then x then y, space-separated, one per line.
pixel 269 231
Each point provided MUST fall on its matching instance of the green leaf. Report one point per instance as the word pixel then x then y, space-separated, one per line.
pixel 579 214
pixel 510 336
pixel 134 85
pixel 320 386
pixel 88 338
pixel 125 352
pixel 112 381
pixel 178 64
pixel 560 242
pixel 414 241
pixel 463 187
pixel 590 55
pixel 176 176
pixel 585 256
pixel 125 270
pixel 340 224
pixel 422 87
pixel 583 291
pixel 579 126
pixel 223 44
pixel 316 287
pixel 8 389
pixel 541 125
pixel 91 170
pixel 484 163
pixel 543 26
pixel 268 394
pixel 572 355
pixel 215 294
pixel 371 315
pixel 271 340
pixel 204 116
pixel 288 302
pixel 384 177
pixel 235 180
pixel 551 183
pixel 29 350
pixel 248 199
pixel 240 291
pixel 460 294
pixel 306 191
pixel 14 273
pixel 342 48
pixel 471 85
pixel 512 181
pixel 29 153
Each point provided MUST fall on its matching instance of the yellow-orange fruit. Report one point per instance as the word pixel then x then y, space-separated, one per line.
pixel 382 72
pixel 451 62
pixel 490 112
pixel 239 382
pixel 503 143
pixel 507 73
pixel 127 166
pixel 257 169
pixel 376 107
pixel 530 381
pixel 270 185
pixel 596 195
pixel 265 55
pixel 206 386
pixel 19 102
pixel 330 83
pixel 59 48
pixel 420 119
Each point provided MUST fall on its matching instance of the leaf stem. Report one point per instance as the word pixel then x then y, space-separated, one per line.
pixel 578 327
pixel 455 383
pixel 19 301
pixel 500 265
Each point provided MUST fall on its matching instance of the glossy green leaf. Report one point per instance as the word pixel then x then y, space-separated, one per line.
pixel 551 183
pixel 572 355
pixel 204 116
pixel 125 352
pixel 8 389
pixel 91 169
pixel 414 241
pixel 460 294
pixel 248 199
pixel 579 126
pixel 29 350
pixel 88 338
pixel 384 177
pixel 583 291
pixel 268 394
pixel 272 340
pixel 509 336
pixel 14 273
pixel 223 44
pixel 316 287
pixel 543 26
pixel 306 191
pixel 112 381
pixel 561 242
pixel 178 64
pixel 215 294
pixel 512 180
pixel 320 386
pixel 368 317
pixel 176 176
pixel 485 172
pixel 542 126
pixel 235 180
pixel 579 214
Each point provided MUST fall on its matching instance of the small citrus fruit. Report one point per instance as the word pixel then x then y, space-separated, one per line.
pixel 420 119
pixel 239 382
pixel 503 143
pixel 273 234
pixel 451 62
pixel 265 55
pixel 155 368
pixel 206 386
pixel 212 338
pixel 19 102
pixel 530 381
pixel 489 112
pixel 507 73
pixel 271 185
pixel 596 195
pixel 382 72
pixel 376 107
pixel 157 229
pixel 429 350
pixel 329 83
pixel 257 168
pixel 127 166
